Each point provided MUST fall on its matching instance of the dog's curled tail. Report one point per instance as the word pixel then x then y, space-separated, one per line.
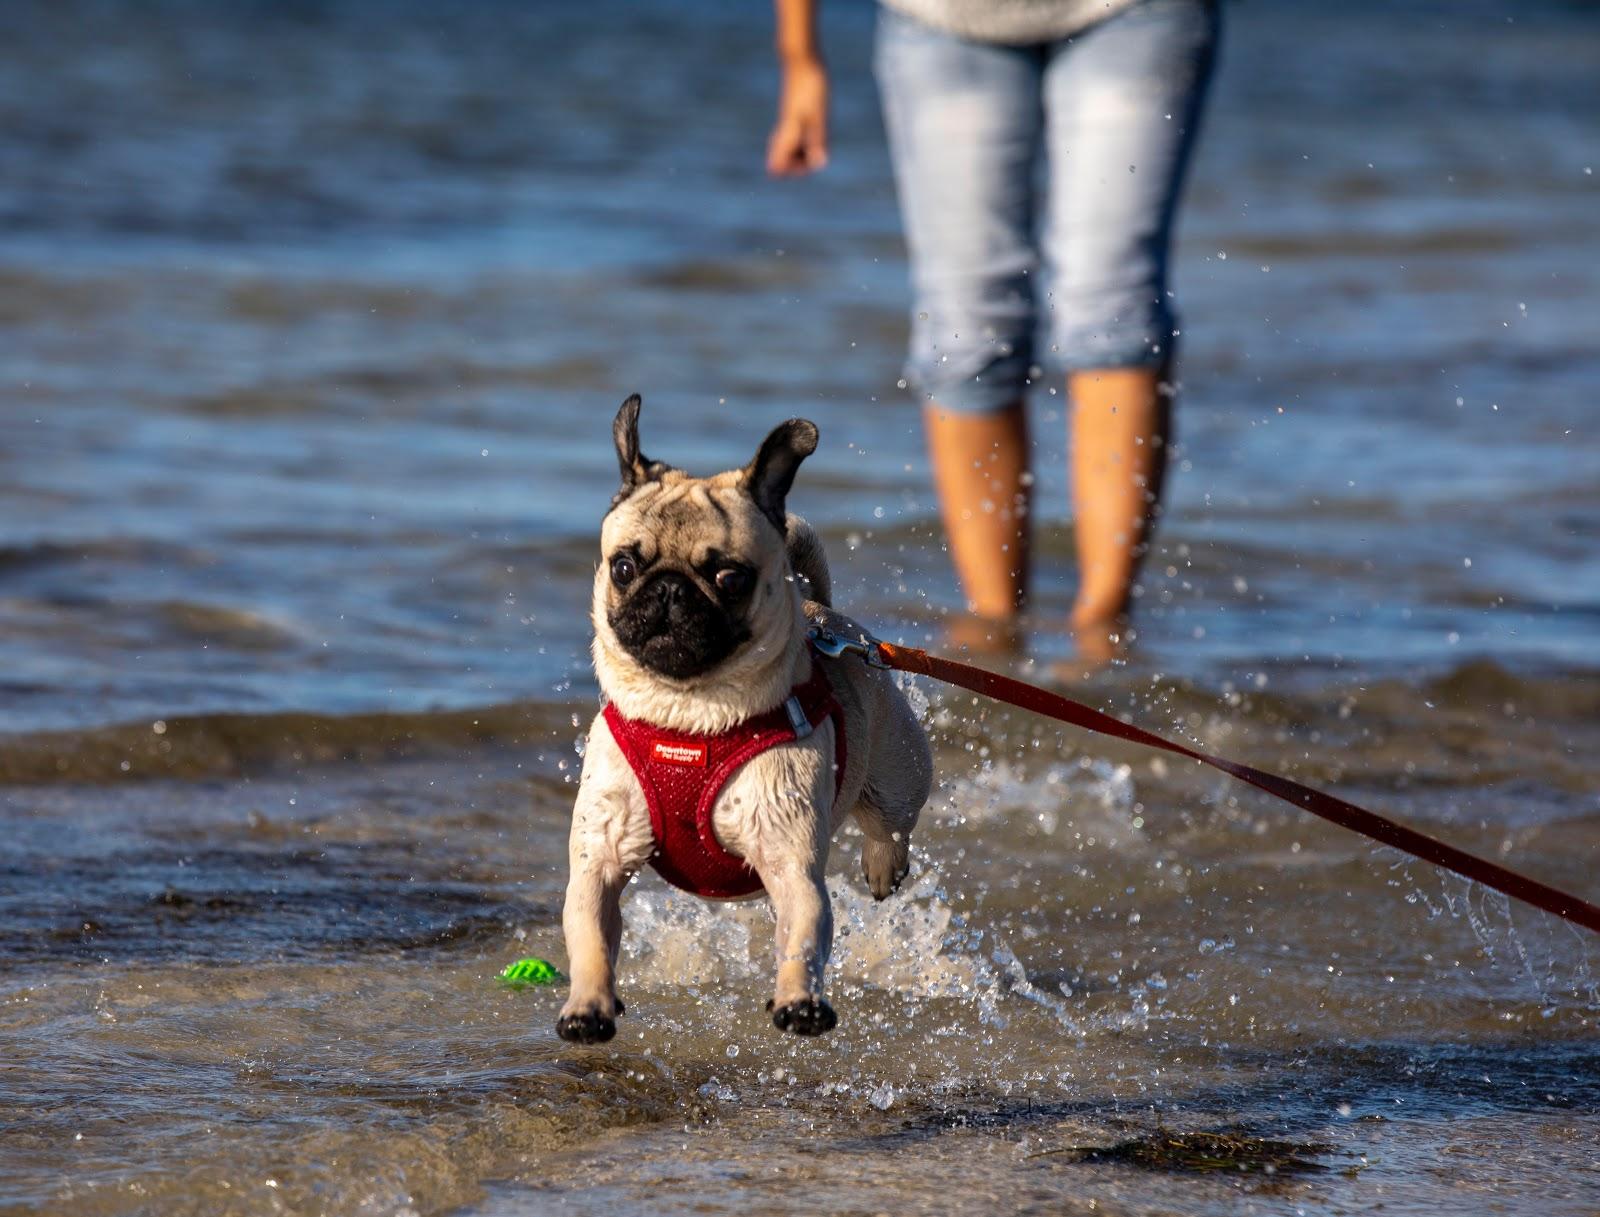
pixel 808 562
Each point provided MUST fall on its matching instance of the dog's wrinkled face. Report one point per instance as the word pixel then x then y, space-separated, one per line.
pixel 694 569
pixel 680 577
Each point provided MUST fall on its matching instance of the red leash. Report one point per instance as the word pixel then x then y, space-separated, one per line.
pixel 1329 807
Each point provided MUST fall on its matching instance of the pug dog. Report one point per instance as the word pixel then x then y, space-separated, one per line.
pixel 730 751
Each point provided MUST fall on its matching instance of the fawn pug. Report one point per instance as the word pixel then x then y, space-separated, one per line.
pixel 729 750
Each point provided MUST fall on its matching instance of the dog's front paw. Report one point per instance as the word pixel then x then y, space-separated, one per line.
pixel 808 1016
pixel 587 1026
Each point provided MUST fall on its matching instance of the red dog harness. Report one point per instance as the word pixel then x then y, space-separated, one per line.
pixel 682 775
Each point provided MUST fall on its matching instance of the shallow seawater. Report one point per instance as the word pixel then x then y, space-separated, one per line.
pixel 312 322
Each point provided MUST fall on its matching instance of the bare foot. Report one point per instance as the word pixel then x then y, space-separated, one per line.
pixel 1100 639
pixel 983 637
pixel 1094 650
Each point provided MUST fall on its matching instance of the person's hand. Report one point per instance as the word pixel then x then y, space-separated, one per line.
pixel 799 140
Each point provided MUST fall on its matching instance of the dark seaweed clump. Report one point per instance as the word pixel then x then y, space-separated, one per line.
pixel 1204 1153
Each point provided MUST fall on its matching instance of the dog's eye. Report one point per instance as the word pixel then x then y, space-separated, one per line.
pixel 623 570
pixel 733 580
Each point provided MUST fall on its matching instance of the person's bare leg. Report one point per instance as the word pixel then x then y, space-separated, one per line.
pixel 1120 422
pixel 980 469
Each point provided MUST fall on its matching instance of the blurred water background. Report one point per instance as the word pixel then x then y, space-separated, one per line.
pixel 313 318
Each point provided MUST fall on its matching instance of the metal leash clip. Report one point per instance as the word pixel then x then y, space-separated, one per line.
pixel 832 646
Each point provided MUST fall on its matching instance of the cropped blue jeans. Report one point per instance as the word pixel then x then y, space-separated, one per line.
pixel 1061 162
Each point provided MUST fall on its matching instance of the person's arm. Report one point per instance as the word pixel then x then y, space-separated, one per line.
pixel 799 140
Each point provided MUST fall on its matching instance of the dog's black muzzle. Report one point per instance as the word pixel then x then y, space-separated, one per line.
pixel 671 626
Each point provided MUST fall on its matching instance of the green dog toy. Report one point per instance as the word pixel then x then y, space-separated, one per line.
pixel 526 973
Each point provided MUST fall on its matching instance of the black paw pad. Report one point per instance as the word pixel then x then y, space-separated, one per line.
pixel 811 1016
pixel 586 1028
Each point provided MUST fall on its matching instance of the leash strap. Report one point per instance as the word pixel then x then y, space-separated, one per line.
pixel 1329 807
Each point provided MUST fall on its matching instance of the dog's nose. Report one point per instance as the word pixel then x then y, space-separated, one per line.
pixel 670 590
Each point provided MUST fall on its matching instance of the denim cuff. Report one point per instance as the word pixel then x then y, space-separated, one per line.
pixel 1138 338
pixel 999 383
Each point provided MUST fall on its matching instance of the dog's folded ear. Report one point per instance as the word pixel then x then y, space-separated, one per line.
pixel 768 478
pixel 636 467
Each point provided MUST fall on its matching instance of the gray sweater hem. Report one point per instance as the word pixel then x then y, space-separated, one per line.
pixel 1013 22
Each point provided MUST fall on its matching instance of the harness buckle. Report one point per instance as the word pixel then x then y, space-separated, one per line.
pixel 797 717
pixel 831 645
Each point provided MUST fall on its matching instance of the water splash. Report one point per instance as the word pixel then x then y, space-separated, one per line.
pixel 1553 956
pixel 1095 796
pixel 672 939
pixel 914 945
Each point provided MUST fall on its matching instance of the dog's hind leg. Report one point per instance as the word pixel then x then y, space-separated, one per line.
pixel 899 776
pixel 886 851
